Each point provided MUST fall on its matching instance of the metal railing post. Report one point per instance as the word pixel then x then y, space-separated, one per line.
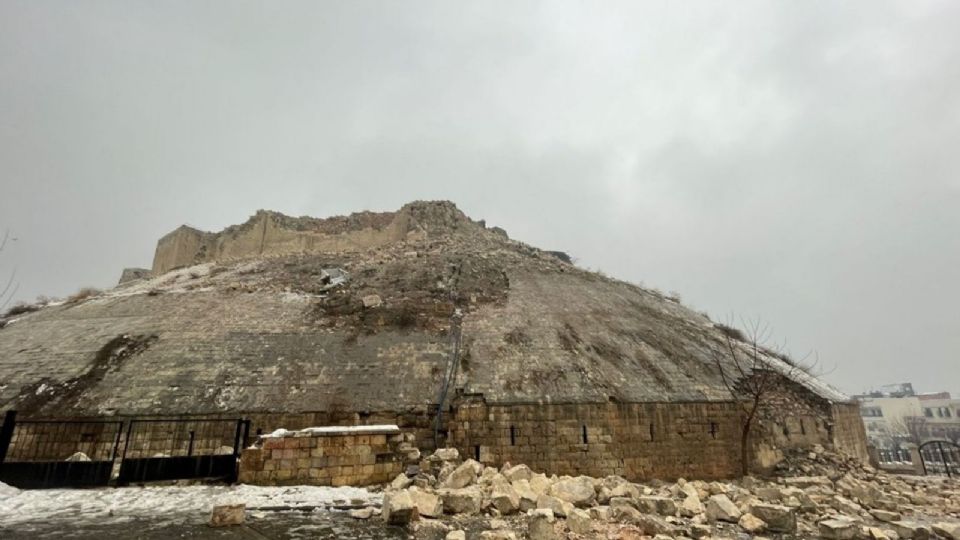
pixel 6 433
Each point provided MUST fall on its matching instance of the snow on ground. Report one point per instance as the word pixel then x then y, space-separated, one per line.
pixel 391 428
pixel 176 503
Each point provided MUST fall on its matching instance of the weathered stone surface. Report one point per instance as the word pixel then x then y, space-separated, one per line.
pixel 657 505
pixel 808 481
pixel 578 491
pixel 884 515
pixel 372 301
pixel 429 529
pixel 260 297
pixel 540 525
pixel 427 504
pixel 362 513
pixel 691 506
pixel 555 505
pixel 579 522
pixel 226 515
pixel 498 535
pixel 875 533
pixel 461 501
pixel 519 472
pixel 456 535
pixel 505 498
pixel 951 531
pixel 447 454
pixel 839 529
pixel 911 530
pixel 400 482
pixel 751 523
pixel 528 499
pixel 398 508
pixel 721 508
pixel 462 476
pixel 778 518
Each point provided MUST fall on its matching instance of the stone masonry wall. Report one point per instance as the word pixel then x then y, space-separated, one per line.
pixel 354 456
pixel 848 434
pixel 635 440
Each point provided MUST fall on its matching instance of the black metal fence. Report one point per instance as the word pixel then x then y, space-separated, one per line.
pixel 176 449
pixel 940 457
pixel 84 453
pixel 53 453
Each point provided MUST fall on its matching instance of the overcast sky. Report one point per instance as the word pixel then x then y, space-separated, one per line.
pixel 797 162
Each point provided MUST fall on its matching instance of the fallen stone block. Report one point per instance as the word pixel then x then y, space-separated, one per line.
pixel 579 522
pixel 227 515
pixel 721 508
pixel 778 518
pixel 429 529
pixel 398 508
pixel 839 529
pixel 461 501
pixel 578 491
pixel 751 523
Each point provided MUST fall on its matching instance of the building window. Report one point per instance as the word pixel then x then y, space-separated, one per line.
pixel 584 433
pixel 872 412
pixel 928 412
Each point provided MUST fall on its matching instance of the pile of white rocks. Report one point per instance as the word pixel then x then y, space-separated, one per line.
pixel 448 498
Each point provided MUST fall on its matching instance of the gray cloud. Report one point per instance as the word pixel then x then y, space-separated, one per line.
pixel 789 161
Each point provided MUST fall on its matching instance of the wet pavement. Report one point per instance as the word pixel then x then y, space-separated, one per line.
pixel 318 525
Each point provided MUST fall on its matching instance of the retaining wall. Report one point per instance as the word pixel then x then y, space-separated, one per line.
pixel 332 456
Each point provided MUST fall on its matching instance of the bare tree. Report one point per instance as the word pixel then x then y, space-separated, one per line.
pixel 752 369
pixel 9 290
pixel 912 429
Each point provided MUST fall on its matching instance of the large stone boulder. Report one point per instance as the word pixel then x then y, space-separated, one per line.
pixel 751 523
pixel 657 505
pixel 555 505
pixel 461 501
pixel 577 491
pixel 884 515
pixel 721 508
pixel 691 506
pixel 950 531
pixel 427 504
pixel 429 529
pixel 398 508
pixel 911 530
pixel 540 525
pixel 462 476
pixel 579 522
pixel 519 472
pixel 227 514
pixel 504 498
pixel 839 528
pixel 528 498
pixel 402 481
pixel 778 518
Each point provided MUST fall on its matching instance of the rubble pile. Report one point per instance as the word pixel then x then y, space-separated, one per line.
pixel 817 494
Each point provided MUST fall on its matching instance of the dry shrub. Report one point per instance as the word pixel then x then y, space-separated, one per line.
pixel 731 332
pixel 20 309
pixel 82 294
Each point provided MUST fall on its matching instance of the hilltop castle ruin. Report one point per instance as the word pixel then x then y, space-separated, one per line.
pixel 422 318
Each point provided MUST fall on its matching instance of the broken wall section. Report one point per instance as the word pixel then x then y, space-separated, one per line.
pixel 328 456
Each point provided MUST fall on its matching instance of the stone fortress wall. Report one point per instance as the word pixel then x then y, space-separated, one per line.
pixel 563 369
pixel 271 233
